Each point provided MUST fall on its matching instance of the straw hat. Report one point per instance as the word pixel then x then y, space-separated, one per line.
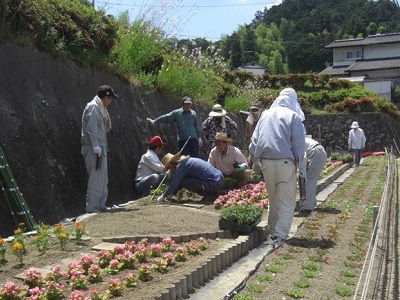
pixel 217 111
pixel 169 158
pixel 222 136
pixel 354 124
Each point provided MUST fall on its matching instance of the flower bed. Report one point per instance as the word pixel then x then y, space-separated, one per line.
pixel 255 194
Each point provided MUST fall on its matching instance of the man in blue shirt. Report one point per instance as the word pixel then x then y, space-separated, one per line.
pixel 193 174
pixel 188 127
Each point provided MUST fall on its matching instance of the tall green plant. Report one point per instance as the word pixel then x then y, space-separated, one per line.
pixel 137 47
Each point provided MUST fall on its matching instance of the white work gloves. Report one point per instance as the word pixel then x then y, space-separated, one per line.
pixel 240 168
pixel 150 121
pixel 97 150
pixel 257 167
pixel 200 142
pixel 302 172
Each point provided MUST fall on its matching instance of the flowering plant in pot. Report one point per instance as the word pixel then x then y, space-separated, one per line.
pixel 241 218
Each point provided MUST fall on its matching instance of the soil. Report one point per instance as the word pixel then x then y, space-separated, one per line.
pixel 136 219
pixel 316 241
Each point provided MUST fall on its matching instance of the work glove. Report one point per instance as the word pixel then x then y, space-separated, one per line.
pixel 200 142
pixel 257 167
pixel 150 121
pixel 240 168
pixel 302 172
pixel 97 150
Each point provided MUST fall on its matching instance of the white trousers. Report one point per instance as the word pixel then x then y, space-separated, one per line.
pixel 317 160
pixel 280 180
pixel 97 189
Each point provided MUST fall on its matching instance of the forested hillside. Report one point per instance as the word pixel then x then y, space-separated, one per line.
pixel 290 37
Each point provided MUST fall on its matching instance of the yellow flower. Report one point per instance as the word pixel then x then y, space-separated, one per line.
pixel 22 224
pixel 16 246
pixel 2 241
pixel 17 231
pixel 63 235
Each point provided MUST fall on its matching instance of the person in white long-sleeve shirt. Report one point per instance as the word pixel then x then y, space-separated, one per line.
pixel 356 142
pixel 314 160
pixel 149 173
pixel 96 122
pixel 278 142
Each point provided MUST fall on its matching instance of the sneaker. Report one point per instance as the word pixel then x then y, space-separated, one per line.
pixel 278 242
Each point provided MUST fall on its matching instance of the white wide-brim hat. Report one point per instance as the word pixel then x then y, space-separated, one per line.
pixel 354 124
pixel 217 111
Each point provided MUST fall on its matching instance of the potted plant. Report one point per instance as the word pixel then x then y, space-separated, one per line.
pixel 240 218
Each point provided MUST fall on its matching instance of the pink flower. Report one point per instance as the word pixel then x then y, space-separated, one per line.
pixel 77 295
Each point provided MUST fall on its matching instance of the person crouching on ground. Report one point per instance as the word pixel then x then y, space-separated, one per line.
pixel 228 159
pixel 149 172
pixel 193 174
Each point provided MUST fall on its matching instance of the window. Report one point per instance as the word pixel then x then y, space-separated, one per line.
pixel 354 54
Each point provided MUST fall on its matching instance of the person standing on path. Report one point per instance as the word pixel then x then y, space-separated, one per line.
pixel 217 121
pixel 356 142
pixel 188 127
pixel 314 160
pixel 278 142
pixel 96 122
pixel 149 171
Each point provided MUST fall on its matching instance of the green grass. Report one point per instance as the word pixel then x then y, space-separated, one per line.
pixel 255 288
pixel 264 277
pixel 273 269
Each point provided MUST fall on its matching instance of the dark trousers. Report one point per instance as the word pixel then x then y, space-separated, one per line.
pixel 200 187
pixel 191 148
pixel 357 156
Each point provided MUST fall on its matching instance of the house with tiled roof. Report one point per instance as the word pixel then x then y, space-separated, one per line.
pixel 373 61
pixel 252 67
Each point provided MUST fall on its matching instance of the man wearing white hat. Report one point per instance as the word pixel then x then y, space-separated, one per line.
pixel 217 121
pixel 356 142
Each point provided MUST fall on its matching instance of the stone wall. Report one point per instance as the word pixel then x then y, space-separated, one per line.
pixel 333 130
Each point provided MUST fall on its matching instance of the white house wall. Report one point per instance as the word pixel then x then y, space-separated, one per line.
pixel 382 88
pixel 381 51
pixel 340 56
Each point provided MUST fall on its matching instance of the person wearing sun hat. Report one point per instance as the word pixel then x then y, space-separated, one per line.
pixel 228 159
pixel 149 173
pixel 193 174
pixel 217 121
pixel 189 132
pixel 356 142
pixel 96 122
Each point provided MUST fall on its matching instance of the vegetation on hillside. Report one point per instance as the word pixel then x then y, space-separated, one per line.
pixel 143 53
pixel 297 31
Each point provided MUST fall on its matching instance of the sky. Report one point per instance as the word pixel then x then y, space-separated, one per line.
pixel 190 19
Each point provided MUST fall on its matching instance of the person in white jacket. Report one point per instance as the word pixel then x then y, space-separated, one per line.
pixel 96 122
pixel 314 160
pixel 356 142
